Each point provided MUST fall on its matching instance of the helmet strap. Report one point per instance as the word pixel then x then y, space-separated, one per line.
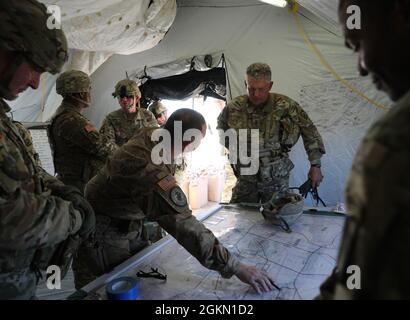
pixel 84 104
pixel 7 75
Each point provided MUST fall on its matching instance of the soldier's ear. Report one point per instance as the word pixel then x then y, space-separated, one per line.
pixel 246 85
pixel 270 85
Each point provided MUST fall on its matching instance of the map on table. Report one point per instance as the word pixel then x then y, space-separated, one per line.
pixel 299 261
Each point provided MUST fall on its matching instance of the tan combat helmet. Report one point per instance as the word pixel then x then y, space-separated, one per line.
pixel 73 81
pixel 23 30
pixel 285 210
pixel 126 87
pixel 157 108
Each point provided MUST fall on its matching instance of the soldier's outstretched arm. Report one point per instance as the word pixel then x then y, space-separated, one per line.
pixel 107 136
pixel 170 209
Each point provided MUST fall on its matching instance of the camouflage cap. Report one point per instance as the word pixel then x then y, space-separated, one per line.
pixel 259 70
pixel 157 108
pixel 73 81
pixel 23 29
pixel 126 87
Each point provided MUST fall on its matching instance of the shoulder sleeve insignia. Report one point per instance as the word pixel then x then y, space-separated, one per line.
pixel 178 197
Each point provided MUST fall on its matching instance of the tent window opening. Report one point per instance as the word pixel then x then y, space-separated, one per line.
pixel 208 155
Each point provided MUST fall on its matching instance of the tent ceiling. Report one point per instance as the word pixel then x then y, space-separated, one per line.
pixel 116 26
pixel 325 10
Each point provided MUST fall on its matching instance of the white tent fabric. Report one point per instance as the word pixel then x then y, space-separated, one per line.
pixel 247 31
pixel 250 32
pixel 96 30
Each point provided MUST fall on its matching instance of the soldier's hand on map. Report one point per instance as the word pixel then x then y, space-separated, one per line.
pixel 258 279
pixel 315 175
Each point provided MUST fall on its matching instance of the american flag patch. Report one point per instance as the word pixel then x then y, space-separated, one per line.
pixel 167 183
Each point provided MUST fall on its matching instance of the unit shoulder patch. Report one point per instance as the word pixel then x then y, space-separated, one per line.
pixel 178 197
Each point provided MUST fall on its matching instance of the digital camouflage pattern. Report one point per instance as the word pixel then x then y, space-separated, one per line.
pixel 119 127
pixel 78 151
pixel 376 236
pixel 49 181
pixel 73 81
pixel 23 29
pixel 31 219
pixel 130 189
pixel 281 121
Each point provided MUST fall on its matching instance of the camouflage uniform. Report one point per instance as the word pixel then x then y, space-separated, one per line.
pixel 130 189
pixel 32 220
pixel 281 121
pixel 376 236
pixel 49 181
pixel 78 151
pixel 119 127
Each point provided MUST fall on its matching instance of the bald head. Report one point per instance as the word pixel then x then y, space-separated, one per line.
pixel 189 119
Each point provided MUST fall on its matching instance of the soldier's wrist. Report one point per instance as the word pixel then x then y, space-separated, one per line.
pixel 231 268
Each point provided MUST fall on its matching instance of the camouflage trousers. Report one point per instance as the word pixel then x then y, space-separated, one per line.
pixel 115 241
pixel 250 189
pixel 18 285
pixel 273 176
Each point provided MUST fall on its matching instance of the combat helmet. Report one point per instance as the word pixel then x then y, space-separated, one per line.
pixel 73 81
pixel 157 108
pixel 126 87
pixel 284 210
pixel 23 30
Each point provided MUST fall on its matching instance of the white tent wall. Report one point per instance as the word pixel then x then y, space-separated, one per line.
pixel 245 31
pixel 246 34
pixel 96 29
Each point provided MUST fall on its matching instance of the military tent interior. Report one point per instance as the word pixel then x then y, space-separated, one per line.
pixel 154 39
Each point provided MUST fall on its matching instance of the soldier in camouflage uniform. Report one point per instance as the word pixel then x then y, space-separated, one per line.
pixel 120 125
pixel 160 112
pixel 35 218
pixel 78 151
pixel 376 236
pixel 131 187
pixel 280 121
